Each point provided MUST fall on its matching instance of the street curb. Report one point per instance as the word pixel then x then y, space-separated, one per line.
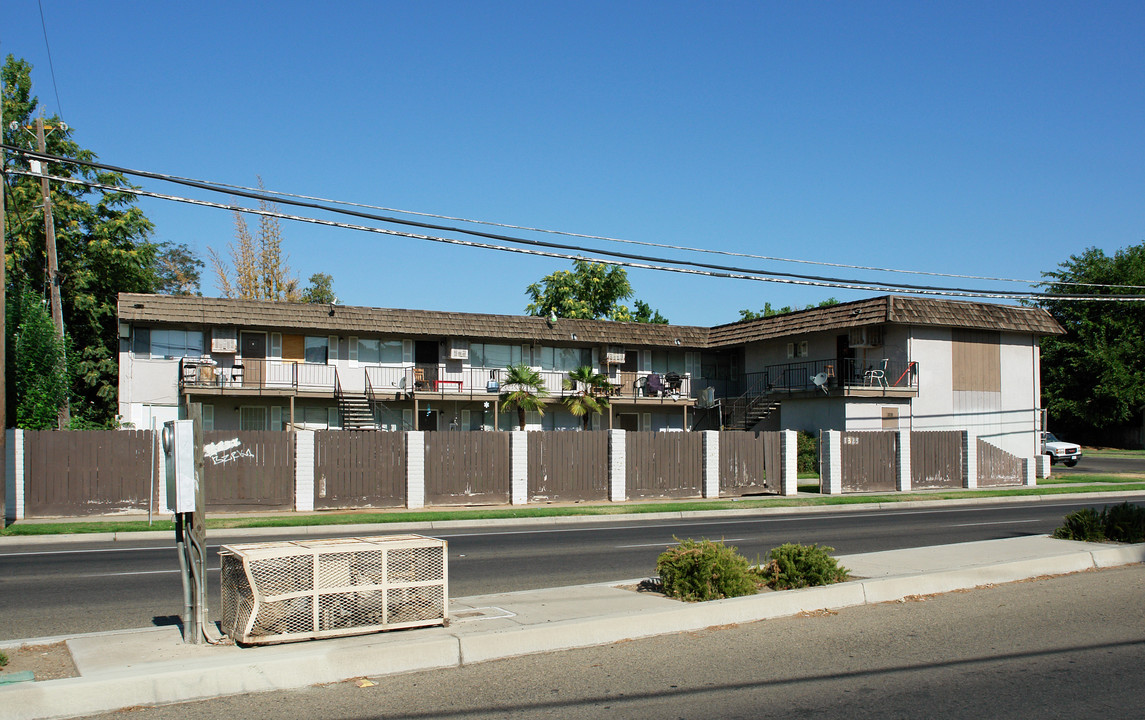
pixel 421 527
pixel 302 665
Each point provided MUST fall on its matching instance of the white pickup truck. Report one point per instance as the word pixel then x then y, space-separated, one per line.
pixel 1059 451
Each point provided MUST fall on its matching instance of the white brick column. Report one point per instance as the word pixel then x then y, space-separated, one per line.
pixel 831 465
pixel 1029 476
pixel 902 483
pixel 617 467
pixel 415 469
pixel 1042 466
pixel 710 468
pixel 303 470
pixel 518 467
pixel 14 488
pixel 970 459
pixel 789 473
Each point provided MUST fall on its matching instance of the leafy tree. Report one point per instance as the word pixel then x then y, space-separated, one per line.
pixel 257 269
pixel 584 403
pixel 101 243
pixel 36 363
pixel 591 291
pixel 1093 377
pixel 321 290
pixel 524 391
pixel 769 311
pixel 176 269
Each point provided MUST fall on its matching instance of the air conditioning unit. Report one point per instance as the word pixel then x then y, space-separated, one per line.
pixel 613 354
pixel 224 340
pixel 862 337
pixel 457 349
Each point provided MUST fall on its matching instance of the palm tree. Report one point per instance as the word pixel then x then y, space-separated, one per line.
pixel 524 390
pixel 584 402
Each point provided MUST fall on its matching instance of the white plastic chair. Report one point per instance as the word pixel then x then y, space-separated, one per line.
pixel 876 374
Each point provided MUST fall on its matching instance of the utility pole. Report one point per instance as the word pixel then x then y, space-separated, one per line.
pixel 64 416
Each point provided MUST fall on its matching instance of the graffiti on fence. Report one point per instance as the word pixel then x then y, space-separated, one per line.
pixel 225 451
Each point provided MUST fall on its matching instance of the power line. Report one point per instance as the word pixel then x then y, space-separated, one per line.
pixel 825 281
pixel 51 66
pixel 606 238
pixel 738 275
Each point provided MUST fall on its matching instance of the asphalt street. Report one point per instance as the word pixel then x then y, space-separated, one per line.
pixel 1071 646
pixel 62 589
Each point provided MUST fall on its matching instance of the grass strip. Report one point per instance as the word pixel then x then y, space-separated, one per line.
pixel 438 515
pixel 1068 479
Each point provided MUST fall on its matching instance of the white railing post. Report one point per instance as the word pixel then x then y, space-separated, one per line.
pixel 415 469
pixel 14 489
pixel 1042 464
pixel 617 467
pixel 902 483
pixel 710 469
pixel 789 473
pixel 303 470
pixel 518 467
pixel 831 463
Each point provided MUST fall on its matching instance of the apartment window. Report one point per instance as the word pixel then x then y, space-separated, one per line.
pixel 666 361
pixel 176 343
pixel 252 418
pixel 563 359
pixel 377 352
pixel 797 349
pixel 494 356
pixel 208 417
pixel 141 342
pixel 315 349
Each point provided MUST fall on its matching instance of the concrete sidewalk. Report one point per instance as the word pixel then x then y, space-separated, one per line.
pixel 153 666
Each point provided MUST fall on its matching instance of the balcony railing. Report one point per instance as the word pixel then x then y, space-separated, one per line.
pixel 257 374
pixel 830 375
pixel 484 382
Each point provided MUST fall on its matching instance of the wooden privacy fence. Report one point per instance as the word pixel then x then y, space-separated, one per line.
pixel 663 464
pixel 869 461
pixel 466 468
pixel 998 467
pixel 749 462
pixel 568 466
pixel 85 473
pixel 359 468
pixel 245 468
pixel 936 459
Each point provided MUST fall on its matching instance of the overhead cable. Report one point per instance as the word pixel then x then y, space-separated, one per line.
pixel 738 275
pixel 262 196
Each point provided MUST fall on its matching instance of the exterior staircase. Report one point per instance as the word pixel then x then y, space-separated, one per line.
pixel 356 412
pixel 746 411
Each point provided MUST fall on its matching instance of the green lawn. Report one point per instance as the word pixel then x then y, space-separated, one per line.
pixel 335 518
pixel 1113 452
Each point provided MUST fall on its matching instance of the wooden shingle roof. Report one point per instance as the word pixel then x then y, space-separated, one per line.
pixel 888 309
pixel 350 320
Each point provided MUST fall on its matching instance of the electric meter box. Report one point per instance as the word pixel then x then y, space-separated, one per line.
pixel 179 457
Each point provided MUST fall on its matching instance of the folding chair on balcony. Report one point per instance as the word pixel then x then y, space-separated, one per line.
pixel 876 374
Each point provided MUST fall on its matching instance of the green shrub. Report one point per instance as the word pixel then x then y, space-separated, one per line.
pixel 797 566
pixel 1124 523
pixel 3 659
pixel 1084 524
pixel 705 570
pixel 807 453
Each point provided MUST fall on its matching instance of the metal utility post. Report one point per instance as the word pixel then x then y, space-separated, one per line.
pixel 183 452
pixel 65 413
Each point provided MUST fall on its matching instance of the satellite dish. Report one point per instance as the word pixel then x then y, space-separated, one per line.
pixel 820 381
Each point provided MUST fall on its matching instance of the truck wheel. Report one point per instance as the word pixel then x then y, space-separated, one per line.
pixel 1070 463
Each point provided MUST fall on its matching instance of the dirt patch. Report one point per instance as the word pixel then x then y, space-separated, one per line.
pixel 47 662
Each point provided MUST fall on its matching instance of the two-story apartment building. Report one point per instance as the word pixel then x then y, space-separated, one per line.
pixel 886 362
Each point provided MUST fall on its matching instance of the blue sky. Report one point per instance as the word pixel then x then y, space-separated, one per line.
pixel 973 138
